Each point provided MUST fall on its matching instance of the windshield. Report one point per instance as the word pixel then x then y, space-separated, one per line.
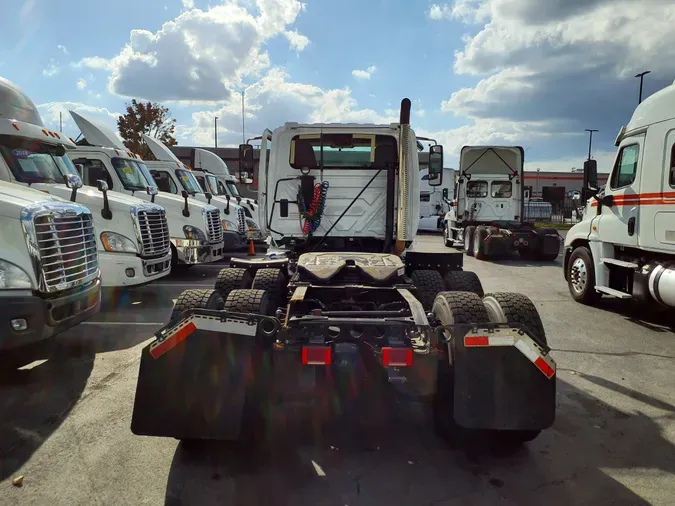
pixel 35 162
pixel 233 190
pixel 189 182
pixel 134 175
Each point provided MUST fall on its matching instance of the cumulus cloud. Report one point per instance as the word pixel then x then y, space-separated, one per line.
pixel 188 4
pixel 364 74
pixel 81 83
pixel 558 67
pixel 52 68
pixel 62 49
pixel 201 54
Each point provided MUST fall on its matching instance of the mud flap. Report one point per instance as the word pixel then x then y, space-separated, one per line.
pixel 503 380
pixel 194 378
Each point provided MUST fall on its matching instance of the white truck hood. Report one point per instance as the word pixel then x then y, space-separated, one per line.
pixel 23 196
pixel 97 133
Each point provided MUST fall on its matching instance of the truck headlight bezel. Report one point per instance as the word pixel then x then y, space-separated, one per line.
pixel 194 233
pixel 117 243
pixel 18 279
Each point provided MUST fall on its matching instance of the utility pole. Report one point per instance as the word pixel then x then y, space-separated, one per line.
pixel 215 129
pixel 243 115
pixel 61 121
pixel 590 140
pixel 642 75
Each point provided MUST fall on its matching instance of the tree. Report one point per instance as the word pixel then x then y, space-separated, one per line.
pixel 148 118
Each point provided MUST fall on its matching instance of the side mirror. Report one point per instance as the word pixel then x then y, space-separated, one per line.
pixel 186 210
pixel 590 175
pixel 245 158
pixel 152 191
pixel 74 182
pixel 208 196
pixel 102 186
pixel 184 194
pixel 283 208
pixel 435 165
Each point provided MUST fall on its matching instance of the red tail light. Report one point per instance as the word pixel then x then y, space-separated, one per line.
pixel 397 357
pixel 316 355
pixel 525 243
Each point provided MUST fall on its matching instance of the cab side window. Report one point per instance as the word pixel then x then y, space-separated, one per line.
pixel 221 189
pixel 671 175
pixel 626 167
pixel 92 171
pixel 164 181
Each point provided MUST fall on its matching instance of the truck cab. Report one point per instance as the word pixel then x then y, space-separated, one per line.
pixel 625 245
pixel 32 155
pixel 435 200
pixel 195 229
pixel 174 176
pixel 49 270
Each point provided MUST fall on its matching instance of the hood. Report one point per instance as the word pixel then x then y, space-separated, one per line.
pixel 97 133
pixel 161 152
pixel 23 196
pixel 211 162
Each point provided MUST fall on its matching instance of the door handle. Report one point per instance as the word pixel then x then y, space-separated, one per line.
pixel 631 225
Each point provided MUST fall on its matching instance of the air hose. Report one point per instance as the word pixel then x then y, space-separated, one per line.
pixel 313 213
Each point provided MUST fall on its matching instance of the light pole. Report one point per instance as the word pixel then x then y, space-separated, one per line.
pixel 215 130
pixel 590 140
pixel 642 75
pixel 243 115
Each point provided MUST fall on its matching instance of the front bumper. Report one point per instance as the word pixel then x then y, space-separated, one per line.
pixel 46 317
pixel 120 269
pixel 192 251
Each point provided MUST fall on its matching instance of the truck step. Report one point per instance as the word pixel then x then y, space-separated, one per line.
pixel 619 263
pixel 614 293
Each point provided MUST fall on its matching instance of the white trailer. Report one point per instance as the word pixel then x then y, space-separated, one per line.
pixel 195 229
pixel 625 245
pixel 131 235
pixel 49 270
pixel 174 176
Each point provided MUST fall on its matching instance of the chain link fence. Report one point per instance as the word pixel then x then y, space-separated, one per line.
pixel 562 212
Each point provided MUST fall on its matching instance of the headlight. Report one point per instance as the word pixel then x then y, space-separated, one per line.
pixel 252 225
pixel 12 276
pixel 194 233
pixel 228 225
pixel 118 243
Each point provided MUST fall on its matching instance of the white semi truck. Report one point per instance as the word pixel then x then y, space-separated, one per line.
pixel 435 200
pixel 174 176
pixel 49 270
pixel 625 245
pixel 195 229
pixel 131 235
pixel 213 175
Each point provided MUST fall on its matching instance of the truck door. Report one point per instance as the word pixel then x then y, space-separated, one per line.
pixel 618 223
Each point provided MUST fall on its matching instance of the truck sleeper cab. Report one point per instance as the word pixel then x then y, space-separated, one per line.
pixel 49 270
pixel 195 230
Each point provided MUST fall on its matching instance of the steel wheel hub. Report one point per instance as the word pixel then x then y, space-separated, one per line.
pixel 579 275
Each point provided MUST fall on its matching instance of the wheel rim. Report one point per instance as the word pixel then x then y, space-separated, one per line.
pixel 466 241
pixel 476 244
pixel 578 276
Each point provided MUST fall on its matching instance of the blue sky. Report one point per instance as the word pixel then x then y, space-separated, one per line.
pixel 528 72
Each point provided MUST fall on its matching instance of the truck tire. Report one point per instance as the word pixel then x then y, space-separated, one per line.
pixel 479 244
pixel 581 276
pixel 274 283
pixel 249 301
pixel 232 279
pixel 197 299
pixel 463 281
pixel 429 284
pixel 452 308
pixel 515 308
pixel 468 240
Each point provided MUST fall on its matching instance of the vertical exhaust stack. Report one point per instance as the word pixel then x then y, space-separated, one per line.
pixel 404 229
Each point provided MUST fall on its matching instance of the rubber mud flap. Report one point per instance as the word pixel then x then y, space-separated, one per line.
pixel 196 390
pixel 499 388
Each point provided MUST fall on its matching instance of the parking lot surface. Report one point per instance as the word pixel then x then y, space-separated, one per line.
pixel 65 417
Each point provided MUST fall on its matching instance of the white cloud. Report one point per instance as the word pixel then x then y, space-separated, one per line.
pixel 188 4
pixel 201 54
pixel 62 49
pixel 273 101
pixel 364 74
pixel 297 41
pixel 52 69
pixel 50 115
pixel 81 83
pixel 468 11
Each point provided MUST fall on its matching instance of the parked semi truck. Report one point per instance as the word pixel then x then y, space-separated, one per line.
pixel 435 200
pixel 349 306
pixel 132 238
pixel 174 176
pixel 213 175
pixel 49 270
pixel 486 215
pixel 625 245
pixel 195 229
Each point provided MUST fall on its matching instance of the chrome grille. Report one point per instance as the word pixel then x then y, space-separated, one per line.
pixel 241 221
pixel 214 229
pixel 154 232
pixel 66 247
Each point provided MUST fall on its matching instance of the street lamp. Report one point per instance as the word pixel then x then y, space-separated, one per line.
pixel 243 115
pixel 590 140
pixel 642 75
pixel 215 130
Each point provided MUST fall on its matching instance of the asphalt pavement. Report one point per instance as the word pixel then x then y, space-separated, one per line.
pixel 65 417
